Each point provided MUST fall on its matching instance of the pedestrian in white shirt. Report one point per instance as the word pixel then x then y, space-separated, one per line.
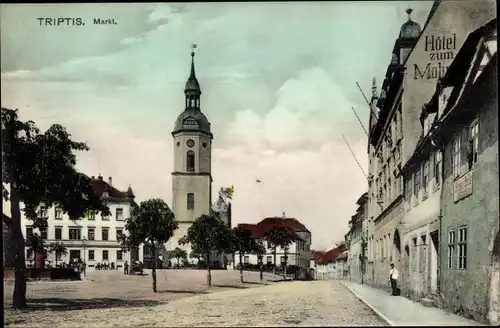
pixel 393 278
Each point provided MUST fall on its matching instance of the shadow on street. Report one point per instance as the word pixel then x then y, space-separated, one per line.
pixel 181 292
pixel 63 304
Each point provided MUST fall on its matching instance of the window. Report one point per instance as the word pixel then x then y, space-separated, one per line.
pixel 269 245
pixel 29 232
pixel 437 166
pixel 416 183
pixel 425 176
pixel 119 255
pixel 451 248
pixel 190 161
pixel 105 255
pixel 91 215
pixel 75 233
pixel 246 259
pixel 455 158
pixel 400 179
pixel 389 189
pixel 42 212
pixel 382 254
pixel 282 259
pixel 91 255
pixel 190 201
pixel 269 259
pixel 74 254
pixel 105 217
pixel 473 143
pixel 43 234
pixel 462 248
pixel 29 254
pixel 58 213
pixel 119 214
pixel 105 233
pixel 91 233
pixel 58 233
pixel 119 233
pixel 408 189
pixel 190 122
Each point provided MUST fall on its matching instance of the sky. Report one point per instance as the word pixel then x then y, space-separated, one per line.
pixel 278 83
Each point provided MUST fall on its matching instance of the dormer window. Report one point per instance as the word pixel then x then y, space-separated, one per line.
pixel 190 122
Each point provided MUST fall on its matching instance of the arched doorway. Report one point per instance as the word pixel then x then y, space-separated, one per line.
pixel 396 248
pixel 494 294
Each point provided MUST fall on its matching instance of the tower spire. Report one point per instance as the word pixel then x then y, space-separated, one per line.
pixel 193 74
pixel 409 11
pixel 192 89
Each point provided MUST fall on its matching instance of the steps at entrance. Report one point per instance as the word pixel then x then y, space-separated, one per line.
pixel 427 302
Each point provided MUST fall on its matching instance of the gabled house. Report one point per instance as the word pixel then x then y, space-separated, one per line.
pixel 465 129
pixel 299 251
pixel 328 265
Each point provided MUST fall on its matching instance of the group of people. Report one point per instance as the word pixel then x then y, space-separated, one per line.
pixel 105 266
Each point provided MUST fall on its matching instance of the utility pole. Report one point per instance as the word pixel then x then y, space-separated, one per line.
pixel 367 102
pixel 359 120
pixel 352 153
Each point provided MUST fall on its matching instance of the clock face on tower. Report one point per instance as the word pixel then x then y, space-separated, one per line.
pixel 190 143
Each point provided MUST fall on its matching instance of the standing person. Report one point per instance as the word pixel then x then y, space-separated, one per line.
pixel 393 277
pixel 125 268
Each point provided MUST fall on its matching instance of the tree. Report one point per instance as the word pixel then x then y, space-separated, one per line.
pixel 243 243
pixel 151 223
pixel 260 250
pixel 40 167
pixel 36 246
pixel 179 254
pixel 58 249
pixel 279 236
pixel 207 235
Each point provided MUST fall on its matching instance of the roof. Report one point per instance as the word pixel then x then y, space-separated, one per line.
pixel 362 199
pixel 192 119
pixel 328 256
pixel 260 229
pixel 458 70
pixel 192 84
pixel 100 186
pixel 410 29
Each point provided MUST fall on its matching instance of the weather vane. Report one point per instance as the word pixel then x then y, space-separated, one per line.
pixel 193 46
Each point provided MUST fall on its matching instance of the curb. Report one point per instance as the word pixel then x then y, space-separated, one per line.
pixel 377 312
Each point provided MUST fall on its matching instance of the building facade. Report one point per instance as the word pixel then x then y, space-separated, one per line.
pixel 466 130
pixel 385 206
pixel 357 242
pixel 299 252
pixel 420 231
pixel 192 177
pixel 94 238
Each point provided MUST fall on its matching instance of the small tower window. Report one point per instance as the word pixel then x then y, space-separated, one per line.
pixel 190 201
pixel 190 161
pixel 190 123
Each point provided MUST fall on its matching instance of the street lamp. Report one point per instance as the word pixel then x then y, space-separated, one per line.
pixel 84 258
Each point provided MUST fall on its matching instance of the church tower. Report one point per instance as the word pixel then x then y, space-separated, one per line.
pixel 191 178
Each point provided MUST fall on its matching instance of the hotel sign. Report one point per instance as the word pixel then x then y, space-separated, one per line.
pixel 440 49
pixel 462 187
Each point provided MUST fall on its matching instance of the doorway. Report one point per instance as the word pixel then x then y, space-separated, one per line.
pixel 396 249
pixel 434 262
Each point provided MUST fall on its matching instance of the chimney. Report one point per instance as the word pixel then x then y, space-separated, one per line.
pixel 110 181
pixel 93 177
pixel 99 177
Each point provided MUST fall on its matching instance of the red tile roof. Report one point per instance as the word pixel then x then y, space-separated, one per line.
pixel 260 229
pixel 328 256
